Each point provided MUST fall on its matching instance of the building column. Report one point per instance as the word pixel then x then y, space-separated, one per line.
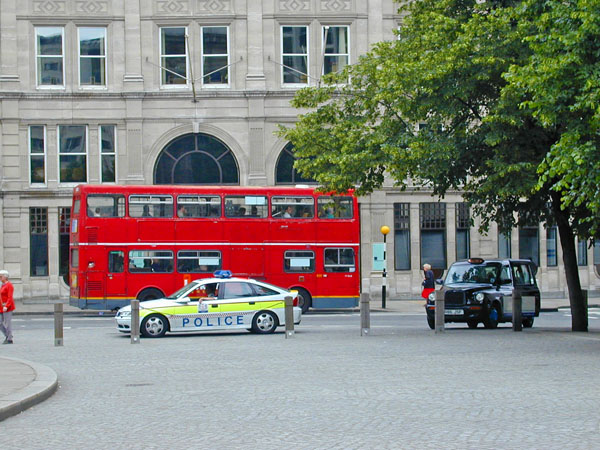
pixel 255 78
pixel 9 78
pixel 132 79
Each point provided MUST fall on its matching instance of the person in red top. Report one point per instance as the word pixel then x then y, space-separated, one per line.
pixel 7 306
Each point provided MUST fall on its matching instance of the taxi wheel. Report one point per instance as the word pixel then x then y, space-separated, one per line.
pixel 527 322
pixel 154 326
pixel 472 323
pixel 492 319
pixel 264 322
pixel 431 321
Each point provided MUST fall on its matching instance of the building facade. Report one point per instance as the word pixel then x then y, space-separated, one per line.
pixel 192 91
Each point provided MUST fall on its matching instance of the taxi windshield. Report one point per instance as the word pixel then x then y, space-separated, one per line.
pixel 474 273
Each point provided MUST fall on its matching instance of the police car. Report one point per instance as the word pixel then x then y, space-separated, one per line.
pixel 480 291
pixel 210 304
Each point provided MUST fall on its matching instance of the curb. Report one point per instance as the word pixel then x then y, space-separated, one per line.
pixel 44 385
pixel 85 313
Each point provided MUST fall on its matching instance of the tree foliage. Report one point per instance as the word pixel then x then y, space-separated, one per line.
pixel 507 95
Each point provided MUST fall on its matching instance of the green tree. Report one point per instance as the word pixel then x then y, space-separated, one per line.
pixel 456 68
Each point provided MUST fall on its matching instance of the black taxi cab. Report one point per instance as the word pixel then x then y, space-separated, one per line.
pixel 480 291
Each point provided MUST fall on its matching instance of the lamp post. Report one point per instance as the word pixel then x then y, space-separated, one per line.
pixel 384 230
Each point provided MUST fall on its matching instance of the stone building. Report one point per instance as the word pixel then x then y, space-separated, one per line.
pixel 149 91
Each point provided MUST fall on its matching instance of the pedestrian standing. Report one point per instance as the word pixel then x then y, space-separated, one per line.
pixel 428 282
pixel 7 306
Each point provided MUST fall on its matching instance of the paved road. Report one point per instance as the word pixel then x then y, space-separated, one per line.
pixel 401 387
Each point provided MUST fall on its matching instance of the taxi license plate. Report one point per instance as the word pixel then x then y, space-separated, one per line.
pixel 454 312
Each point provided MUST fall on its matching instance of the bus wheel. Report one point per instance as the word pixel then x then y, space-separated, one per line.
pixel 304 299
pixel 154 326
pixel 149 294
pixel 264 322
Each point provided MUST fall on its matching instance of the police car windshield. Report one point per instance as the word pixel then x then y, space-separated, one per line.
pixel 183 291
pixel 486 273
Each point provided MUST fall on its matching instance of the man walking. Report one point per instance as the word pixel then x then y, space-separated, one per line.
pixel 7 306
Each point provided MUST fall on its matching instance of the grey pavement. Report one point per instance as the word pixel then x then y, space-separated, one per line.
pixel 24 383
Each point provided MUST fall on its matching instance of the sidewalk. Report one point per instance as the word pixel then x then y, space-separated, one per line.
pixel 23 385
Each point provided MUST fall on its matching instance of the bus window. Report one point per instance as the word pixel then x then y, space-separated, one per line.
pixel 339 260
pixel 76 206
pixel 106 205
pixel 115 262
pixel 74 258
pixel 198 261
pixel 246 206
pixel 150 206
pixel 160 261
pixel 289 207
pixel 335 207
pixel 198 206
pixel 299 261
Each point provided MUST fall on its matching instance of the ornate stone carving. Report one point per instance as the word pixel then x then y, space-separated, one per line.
pixel 294 5
pixel 49 7
pixel 91 7
pixel 214 6
pixel 172 6
pixel 336 5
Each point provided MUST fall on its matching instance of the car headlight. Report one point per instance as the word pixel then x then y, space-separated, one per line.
pixel 479 296
pixel 124 314
pixel 431 296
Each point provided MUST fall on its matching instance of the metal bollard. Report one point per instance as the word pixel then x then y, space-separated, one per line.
pixel 135 321
pixel 440 309
pixel 584 293
pixel 289 317
pixel 517 311
pixel 58 324
pixel 365 314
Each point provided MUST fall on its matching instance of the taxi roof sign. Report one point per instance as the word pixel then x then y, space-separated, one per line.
pixel 222 274
pixel 475 260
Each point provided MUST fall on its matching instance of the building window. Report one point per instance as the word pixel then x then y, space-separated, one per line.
pixel 463 223
pixel 196 159
pixel 504 247
pixel 38 242
pixel 551 247
pixel 92 56
pixel 72 147
pixel 337 48
pixel 433 234
pixel 401 236
pixel 596 252
pixel 582 259
pixel 108 153
pixel 294 55
pixel 173 56
pixel 285 173
pixel 64 222
pixel 529 244
pixel 37 154
pixel 49 55
pixel 215 55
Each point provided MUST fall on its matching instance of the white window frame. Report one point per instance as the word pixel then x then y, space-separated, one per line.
pixel 79 58
pixel 45 155
pixel 87 156
pixel 162 55
pixel 307 55
pixel 323 43
pixel 38 57
pixel 114 153
pixel 215 85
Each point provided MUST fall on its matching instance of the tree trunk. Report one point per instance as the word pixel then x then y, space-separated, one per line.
pixel 579 319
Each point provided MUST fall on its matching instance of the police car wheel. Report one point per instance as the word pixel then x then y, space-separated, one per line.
pixel 264 322
pixel 154 326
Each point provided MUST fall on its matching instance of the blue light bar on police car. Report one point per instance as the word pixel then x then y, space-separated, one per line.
pixel 222 274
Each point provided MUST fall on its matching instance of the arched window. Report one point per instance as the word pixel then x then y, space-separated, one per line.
pixel 196 159
pixel 284 169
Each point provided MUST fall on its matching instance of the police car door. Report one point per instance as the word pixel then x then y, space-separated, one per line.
pixel 191 315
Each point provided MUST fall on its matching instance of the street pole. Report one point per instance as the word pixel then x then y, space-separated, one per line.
pixel 289 316
pixel 517 311
pixel 135 321
pixel 58 324
pixel 365 314
pixel 384 230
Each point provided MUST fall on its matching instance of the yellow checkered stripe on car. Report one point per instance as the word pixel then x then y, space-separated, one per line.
pixel 245 306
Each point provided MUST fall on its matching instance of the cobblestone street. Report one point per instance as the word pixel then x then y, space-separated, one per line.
pixel 328 387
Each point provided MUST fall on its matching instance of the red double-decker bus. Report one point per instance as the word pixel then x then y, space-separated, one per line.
pixel 145 242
